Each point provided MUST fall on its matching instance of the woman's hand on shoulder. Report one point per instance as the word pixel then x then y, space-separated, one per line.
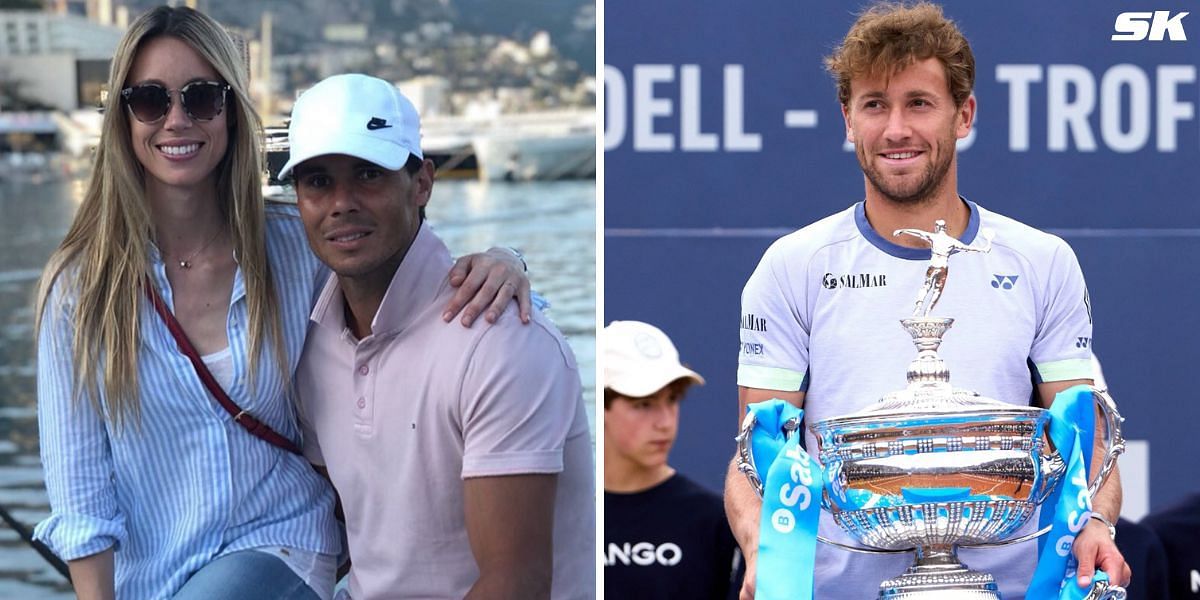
pixel 486 282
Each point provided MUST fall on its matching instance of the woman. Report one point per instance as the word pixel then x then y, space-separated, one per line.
pixel 155 490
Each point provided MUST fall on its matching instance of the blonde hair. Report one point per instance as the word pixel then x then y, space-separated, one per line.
pixel 889 37
pixel 104 254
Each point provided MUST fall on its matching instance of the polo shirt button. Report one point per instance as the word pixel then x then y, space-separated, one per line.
pixel 364 369
pixel 362 402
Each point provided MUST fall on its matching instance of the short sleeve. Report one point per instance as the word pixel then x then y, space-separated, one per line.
pixel 84 515
pixel 1062 345
pixel 773 353
pixel 519 401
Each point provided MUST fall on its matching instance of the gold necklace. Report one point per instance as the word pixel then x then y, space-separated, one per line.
pixel 186 263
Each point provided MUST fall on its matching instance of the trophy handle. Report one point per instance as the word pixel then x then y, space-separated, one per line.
pixel 1113 438
pixel 745 458
pixel 1103 590
pixel 745 464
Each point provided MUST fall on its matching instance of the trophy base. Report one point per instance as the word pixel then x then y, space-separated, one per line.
pixel 940 582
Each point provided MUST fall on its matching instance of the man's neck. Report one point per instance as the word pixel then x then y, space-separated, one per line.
pixel 625 477
pixel 886 215
pixel 363 296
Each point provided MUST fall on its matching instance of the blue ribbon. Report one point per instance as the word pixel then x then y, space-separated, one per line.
pixel 1070 591
pixel 1067 508
pixel 791 508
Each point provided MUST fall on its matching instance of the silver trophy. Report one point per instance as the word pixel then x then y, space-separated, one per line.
pixel 930 468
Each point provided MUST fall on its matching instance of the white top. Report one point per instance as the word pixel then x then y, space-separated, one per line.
pixel 403 416
pixel 220 364
pixel 821 313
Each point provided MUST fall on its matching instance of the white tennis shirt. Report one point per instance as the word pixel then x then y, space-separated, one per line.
pixel 821 313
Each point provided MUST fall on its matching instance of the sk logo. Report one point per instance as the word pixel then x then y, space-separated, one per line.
pixel 1155 26
pixel 1005 282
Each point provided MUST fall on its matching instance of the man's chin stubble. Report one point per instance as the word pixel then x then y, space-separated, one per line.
pixel 925 191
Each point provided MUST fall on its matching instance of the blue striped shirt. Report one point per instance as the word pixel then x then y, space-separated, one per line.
pixel 189 484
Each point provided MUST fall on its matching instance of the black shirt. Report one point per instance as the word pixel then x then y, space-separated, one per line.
pixel 1179 529
pixel 670 541
pixel 1147 559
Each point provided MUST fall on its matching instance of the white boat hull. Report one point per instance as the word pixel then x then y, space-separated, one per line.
pixel 551 145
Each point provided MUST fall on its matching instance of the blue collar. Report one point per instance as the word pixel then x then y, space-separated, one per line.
pixel 905 252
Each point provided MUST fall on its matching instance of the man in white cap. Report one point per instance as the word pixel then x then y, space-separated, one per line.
pixel 664 536
pixel 461 455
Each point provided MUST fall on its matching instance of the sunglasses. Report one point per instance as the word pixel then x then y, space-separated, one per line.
pixel 202 100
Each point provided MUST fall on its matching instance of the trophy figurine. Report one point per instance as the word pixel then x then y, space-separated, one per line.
pixel 931 468
pixel 941 246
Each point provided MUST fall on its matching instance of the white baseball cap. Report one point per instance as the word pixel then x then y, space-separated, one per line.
pixel 357 115
pixel 639 359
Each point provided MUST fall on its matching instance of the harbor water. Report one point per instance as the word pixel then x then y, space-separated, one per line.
pixel 552 223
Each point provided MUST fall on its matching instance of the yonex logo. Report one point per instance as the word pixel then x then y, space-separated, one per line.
pixel 1004 282
pixel 377 123
pixel 1083 342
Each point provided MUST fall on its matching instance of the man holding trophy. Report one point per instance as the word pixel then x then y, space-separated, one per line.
pixel 825 301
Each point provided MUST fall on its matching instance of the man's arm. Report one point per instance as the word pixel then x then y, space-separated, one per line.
pixel 510 525
pixel 742 504
pixel 1093 546
pixel 92 576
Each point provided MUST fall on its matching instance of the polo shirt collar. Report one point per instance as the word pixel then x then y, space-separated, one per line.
pixel 416 284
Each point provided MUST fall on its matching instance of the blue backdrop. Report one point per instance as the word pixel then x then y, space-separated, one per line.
pixel 723 132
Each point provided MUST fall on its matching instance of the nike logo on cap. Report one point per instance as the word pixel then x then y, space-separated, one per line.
pixel 377 123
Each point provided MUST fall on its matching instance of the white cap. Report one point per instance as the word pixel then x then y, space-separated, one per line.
pixel 639 359
pixel 356 115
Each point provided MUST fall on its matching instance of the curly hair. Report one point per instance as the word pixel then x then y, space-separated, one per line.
pixel 889 37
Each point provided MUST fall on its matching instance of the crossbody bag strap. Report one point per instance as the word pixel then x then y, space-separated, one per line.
pixel 256 428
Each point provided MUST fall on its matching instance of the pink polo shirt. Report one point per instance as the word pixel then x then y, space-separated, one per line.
pixel 402 417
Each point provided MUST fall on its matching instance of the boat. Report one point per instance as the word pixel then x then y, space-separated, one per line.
pixel 538 146
pixel 511 147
